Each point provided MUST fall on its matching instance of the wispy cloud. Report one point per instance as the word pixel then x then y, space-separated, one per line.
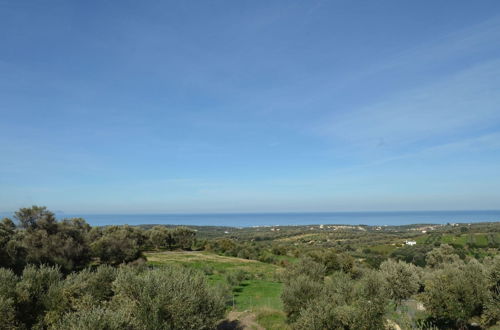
pixel 466 100
pixel 450 104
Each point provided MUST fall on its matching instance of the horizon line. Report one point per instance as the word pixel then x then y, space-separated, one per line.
pixel 60 212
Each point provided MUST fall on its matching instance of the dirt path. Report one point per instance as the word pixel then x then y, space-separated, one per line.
pixel 240 321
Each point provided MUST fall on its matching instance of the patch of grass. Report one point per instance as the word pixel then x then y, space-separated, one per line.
pixel 218 264
pixel 454 239
pixel 287 258
pixel 383 248
pixel 481 240
pixel 421 239
pixel 258 293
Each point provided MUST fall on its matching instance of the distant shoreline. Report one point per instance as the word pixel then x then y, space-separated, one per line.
pixel 235 220
pixel 380 218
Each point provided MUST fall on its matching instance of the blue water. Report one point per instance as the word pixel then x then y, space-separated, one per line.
pixel 283 219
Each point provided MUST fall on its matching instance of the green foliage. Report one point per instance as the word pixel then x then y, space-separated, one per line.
pixel 491 314
pixel 456 292
pixel 412 254
pixel 80 291
pixel 31 218
pixel 168 298
pixel 43 240
pixel 63 244
pixel 371 302
pixel 8 282
pixel 7 231
pixel 160 237
pixel 32 292
pixel 333 260
pixel 128 298
pixel 118 244
pixel 306 267
pixel 322 315
pixel 183 238
pixel 401 279
pixel 345 304
pixel 441 256
pixel 298 292
pixel 97 318
pixel 7 313
pixel 303 283
pixel 235 278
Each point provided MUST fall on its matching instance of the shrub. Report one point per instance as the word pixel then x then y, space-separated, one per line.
pixel 32 292
pixel 97 318
pixel 297 293
pixel 117 245
pixel 456 293
pixel 401 279
pixel 168 298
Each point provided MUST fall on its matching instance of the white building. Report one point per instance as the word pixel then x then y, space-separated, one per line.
pixel 410 242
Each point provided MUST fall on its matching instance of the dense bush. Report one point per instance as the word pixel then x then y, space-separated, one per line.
pixel 117 244
pixel 412 254
pixel 160 237
pixel 72 244
pixel 341 303
pixel 168 298
pixel 456 292
pixel 109 298
pixel 43 240
pixel 402 280
pixel 298 292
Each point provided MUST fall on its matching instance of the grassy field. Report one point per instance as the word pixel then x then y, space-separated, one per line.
pixel 204 260
pixel 259 294
pixel 454 239
pixel 477 239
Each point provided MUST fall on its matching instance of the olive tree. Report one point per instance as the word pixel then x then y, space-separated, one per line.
pixel 8 282
pixel 118 244
pixel 491 313
pixel 299 292
pixel 344 303
pixel 168 298
pixel 456 292
pixel 402 280
pixel 441 256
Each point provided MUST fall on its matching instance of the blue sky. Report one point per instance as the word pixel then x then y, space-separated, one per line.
pixel 249 106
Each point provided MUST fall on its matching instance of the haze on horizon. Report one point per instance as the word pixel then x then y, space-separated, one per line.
pixel 233 106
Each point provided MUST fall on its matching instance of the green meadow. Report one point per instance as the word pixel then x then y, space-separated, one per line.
pixel 259 293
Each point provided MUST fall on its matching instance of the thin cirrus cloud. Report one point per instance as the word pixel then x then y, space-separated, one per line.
pixel 469 99
pixel 456 104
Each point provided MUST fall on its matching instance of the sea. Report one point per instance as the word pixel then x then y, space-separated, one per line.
pixel 289 219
